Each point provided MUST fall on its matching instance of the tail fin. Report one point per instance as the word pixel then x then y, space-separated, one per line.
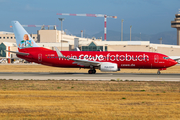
pixel 23 39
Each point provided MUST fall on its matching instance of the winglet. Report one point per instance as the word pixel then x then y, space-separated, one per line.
pixel 76 49
pixel 60 55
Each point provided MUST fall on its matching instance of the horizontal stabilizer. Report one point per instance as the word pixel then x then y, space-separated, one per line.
pixel 18 53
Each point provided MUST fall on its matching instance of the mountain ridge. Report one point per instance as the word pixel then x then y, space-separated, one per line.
pixel 168 37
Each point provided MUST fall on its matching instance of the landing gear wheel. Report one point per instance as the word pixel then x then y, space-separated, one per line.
pixel 92 71
pixel 158 72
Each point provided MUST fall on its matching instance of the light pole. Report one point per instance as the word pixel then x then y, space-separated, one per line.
pixel 122 29
pixel 61 19
pixel 130 32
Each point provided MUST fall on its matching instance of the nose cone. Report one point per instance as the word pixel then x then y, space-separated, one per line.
pixel 173 62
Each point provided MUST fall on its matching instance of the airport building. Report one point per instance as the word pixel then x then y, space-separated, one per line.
pixel 51 38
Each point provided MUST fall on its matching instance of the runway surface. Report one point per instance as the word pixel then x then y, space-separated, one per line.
pixel 85 76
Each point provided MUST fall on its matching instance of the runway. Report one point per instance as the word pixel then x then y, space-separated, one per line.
pixel 85 76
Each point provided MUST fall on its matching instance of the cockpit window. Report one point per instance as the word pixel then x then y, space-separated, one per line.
pixel 166 58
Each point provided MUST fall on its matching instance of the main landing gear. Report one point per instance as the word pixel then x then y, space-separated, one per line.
pixel 92 71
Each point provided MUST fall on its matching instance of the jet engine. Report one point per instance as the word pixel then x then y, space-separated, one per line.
pixel 109 67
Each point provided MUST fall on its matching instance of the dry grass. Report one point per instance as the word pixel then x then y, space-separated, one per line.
pixel 88 105
pixel 89 100
pixel 121 86
pixel 42 68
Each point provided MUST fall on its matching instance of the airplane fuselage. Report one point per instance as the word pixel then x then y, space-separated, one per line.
pixel 124 59
pixel 104 61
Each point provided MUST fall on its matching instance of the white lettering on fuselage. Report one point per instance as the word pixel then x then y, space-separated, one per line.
pixel 113 57
pixel 132 65
pixel 108 66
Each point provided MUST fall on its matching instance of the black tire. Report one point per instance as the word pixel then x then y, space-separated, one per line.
pixel 94 71
pixel 90 72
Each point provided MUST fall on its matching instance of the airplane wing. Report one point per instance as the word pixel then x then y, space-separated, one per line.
pixel 176 58
pixel 78 61
pixel 85 62
pixel 18 53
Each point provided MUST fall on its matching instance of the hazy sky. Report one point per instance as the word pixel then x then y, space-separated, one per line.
pixel 145 16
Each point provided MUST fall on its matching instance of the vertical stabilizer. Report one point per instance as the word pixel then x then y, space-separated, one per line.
pixel 23 39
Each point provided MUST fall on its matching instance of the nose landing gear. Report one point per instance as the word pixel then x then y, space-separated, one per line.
pixel 158 72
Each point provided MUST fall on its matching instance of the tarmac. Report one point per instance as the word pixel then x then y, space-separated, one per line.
pixel 85 76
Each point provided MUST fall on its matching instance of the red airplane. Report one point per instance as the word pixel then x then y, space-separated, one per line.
pixel 104 61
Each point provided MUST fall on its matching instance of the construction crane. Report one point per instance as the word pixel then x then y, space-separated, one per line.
pixel 93 15
pixel 42 26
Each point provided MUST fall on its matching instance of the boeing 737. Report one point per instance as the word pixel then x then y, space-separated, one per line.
pixel 92 60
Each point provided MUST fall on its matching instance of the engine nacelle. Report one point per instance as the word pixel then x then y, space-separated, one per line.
pixel 109 67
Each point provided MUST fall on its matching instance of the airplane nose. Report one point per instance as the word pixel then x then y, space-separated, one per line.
pixel 173 62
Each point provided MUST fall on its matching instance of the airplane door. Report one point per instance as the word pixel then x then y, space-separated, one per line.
pixel 39 57
pixel 156 58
